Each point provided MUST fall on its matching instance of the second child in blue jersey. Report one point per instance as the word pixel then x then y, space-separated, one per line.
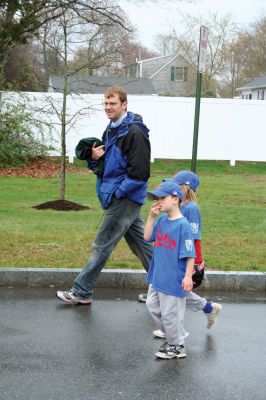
pixel 189 183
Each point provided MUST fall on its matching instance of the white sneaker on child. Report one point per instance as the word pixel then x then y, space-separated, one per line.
pixel 142 297
pixel 159 334
pixel 212 316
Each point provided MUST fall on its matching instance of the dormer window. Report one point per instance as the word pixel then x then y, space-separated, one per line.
pixel 178 73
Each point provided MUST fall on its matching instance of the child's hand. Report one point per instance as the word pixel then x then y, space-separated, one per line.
pixel 187 283
pixel 155 209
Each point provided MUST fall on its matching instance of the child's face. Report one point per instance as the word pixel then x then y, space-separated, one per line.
pixel 184 188
pixel 168 203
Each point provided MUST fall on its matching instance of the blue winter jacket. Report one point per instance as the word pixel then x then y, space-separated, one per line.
pixel 126 162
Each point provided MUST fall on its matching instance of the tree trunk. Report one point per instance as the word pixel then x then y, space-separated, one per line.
pixel 63 124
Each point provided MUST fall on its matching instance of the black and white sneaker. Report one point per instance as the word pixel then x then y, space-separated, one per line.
pixel 168 351
pixel 69 296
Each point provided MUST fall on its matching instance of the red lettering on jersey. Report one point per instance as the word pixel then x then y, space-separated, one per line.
pixel 164 240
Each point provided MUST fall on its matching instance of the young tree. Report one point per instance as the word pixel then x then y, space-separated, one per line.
pixel 97 23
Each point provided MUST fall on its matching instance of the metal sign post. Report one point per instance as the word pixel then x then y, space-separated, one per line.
pixel 201 69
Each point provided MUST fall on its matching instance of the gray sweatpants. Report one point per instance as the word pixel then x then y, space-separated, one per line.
pixel 195 302
pixel 168 313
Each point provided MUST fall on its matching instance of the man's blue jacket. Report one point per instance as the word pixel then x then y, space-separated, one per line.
pixel 126 162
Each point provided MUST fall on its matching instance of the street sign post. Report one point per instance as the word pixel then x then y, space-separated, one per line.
pixel 201 69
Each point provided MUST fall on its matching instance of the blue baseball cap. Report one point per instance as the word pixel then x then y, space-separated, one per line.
pixel 188 178
pixel 168 188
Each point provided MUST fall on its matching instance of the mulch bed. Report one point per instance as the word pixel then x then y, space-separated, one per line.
pixel 61 205
pixel 43 168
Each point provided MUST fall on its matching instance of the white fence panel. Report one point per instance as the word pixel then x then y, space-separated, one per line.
pixel 229 129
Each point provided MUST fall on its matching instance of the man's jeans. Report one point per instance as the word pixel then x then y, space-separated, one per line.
pixel 122 219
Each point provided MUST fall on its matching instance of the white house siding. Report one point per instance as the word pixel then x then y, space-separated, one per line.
pixel 253 94
pixel 229 129
pixel 258 94
pixel 163 84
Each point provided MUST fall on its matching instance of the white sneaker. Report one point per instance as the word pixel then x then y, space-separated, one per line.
pixel 142 297
pixel 159 334
pixel 212 316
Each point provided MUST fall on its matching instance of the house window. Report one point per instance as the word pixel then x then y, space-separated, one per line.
pixel 178 73
pixel 250 96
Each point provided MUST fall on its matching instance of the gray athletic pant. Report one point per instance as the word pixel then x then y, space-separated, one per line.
pixel 168 313
pixel 122 219
pixel 195 302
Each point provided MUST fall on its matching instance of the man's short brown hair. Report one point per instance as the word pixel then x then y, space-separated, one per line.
pixel 122 94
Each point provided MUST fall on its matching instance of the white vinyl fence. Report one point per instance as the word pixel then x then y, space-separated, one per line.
pixel 229 129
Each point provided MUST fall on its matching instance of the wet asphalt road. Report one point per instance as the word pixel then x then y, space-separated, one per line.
pixel 53 351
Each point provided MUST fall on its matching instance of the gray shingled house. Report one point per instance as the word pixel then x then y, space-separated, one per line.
pixel 254 89
pixel 171 74
pixel 99 84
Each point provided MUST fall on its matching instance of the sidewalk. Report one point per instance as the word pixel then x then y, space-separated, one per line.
pixel 121 278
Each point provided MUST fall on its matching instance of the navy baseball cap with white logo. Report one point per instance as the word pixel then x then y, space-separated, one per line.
pixel 169 188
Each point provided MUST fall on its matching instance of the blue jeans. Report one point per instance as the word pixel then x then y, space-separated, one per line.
pixel 122 219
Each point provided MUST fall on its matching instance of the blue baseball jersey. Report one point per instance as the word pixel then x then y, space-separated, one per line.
pixel 191 211
pixel 173 244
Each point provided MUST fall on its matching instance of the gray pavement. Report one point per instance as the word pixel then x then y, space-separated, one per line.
pixel 55 351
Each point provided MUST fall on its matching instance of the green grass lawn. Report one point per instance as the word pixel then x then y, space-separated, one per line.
pixel 232 202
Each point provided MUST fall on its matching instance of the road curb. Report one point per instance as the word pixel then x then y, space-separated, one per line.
pixel 121 278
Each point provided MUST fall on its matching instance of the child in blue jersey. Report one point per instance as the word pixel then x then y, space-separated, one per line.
pixel 189 183
pixel 170 272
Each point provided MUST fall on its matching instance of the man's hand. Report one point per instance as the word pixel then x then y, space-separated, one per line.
pixel 97 152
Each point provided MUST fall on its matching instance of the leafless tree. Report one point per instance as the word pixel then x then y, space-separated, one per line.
pixel 96 25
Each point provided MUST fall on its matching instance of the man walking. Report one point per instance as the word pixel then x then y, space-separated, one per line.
pixel 121 191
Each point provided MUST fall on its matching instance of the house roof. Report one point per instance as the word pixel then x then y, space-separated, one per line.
pixel 154 58
pixel 256 83
pixel 169 59
pixel 99 84
pixel 147 60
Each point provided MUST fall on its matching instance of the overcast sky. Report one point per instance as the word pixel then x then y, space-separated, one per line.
pixel 152 18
